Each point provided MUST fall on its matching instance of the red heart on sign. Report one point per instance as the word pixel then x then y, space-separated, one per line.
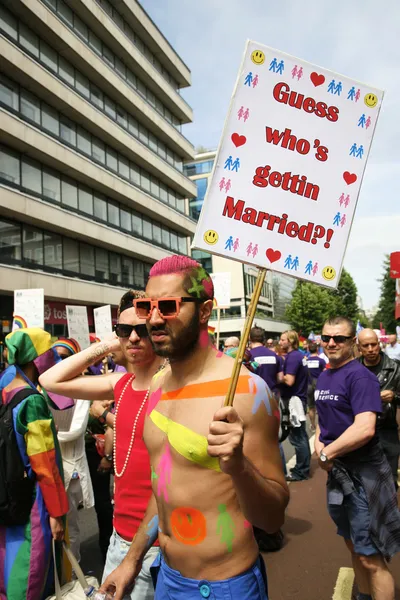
pixel 273 255
pixel 238 140
pixel 349 177
pixel 317 79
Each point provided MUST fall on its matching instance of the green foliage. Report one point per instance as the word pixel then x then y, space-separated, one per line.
pixel 386 307
pixel 312 304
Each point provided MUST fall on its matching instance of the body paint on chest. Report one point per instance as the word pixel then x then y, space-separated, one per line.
pixel 188 525
pixel 225 527
pixel 261 391
pixel 164 470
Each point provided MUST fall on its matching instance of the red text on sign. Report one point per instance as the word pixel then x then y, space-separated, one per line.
pixel 296 184
pixel 289 141
pixel 284 95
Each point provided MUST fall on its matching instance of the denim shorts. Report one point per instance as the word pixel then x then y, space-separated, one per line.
pixel 352 519
pixel 171 585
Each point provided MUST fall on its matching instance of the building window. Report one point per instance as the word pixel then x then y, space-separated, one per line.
pixel 98 150
pixel 126 219
pixel 30 107
pixel 127 271
pixel 115 268
pixel 65 12
pixel 32 245
pixel 8 23
pixel 113 213
pixel 9 166
pixel 138 273
pixel 68 131
pixel 31 176
pixel 147 229
pixel 28 40
pixel 50 120
pixel 84 141
pixel 8 93
pixel 48 56
pixel 112 159
pixel 85 200
pixel 102 270
pixel 137 224
pixel 66 71
pixel 51 185
pixel 10 242
pixel 53 251
pixel 86 255
pixel 157 234
pixel 71 255
pixel 82 84
pixel 69 193
pixel 100 208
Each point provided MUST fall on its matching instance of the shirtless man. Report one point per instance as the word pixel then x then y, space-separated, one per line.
pixel 216 471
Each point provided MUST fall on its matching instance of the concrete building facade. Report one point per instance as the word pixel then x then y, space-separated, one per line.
pixel 93 190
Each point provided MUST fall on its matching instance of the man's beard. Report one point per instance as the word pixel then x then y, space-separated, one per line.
pixel 180 345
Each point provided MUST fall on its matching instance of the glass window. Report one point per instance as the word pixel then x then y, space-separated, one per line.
pixel 69 193
pixel 52 3
pixel 81 28
pixel 153 142
pixel 120 67
pixel 180 204
pixel 122 117
pixel 163 192
pixel 86 255
pixel 126 219
pixel 67 131
pixel 157 234
pixel 95 43
pixel 137 224
pixel 178 163
pixel 108 56
pixel 139 43
pixel 170 156
pixel 110 108
pixel 8 92
pixel 100 207
pixel 131 78
pixel 182 245
pixel 145 180
pixel 162 151
pixel 123 166
pixel 159 106
pixel 50 119
pixel 118 20
pixel 51 185
pixel 111 159
pixel 143 134
pixel 102 270
pixel 151 98
pixel 134 173
pixel 30 106
pixel 32 245
pixel 66 71
pixel 147 229
pixel 82 84
pixel 155 187
pixel 28 39
pixel 8 23
pixel 165 237
pixel 115 268
pixel 113 213
pixel 71 255
pixel 127 271
pixel 84 140
pixel 133 126
pixel 141 88
pixel 85 200
pixel 138 273
pixel 10 241
pixel 168 115
pixel 65 12
pixel 171 198
pixel 9 166
pixel 31 175
pixel 52 251
pixel 98 150
pixel 96 96
pixel 174 242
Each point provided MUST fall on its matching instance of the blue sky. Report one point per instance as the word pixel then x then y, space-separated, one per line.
pixel 359 38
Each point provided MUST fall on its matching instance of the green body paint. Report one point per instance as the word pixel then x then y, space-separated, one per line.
pixel 153 474
pixel 225 527
pixel 196 289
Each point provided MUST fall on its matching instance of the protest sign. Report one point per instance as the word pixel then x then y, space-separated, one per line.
pixel 289 167
pixel 222 289
pixel 102 321
pixel 28 308
pixel 78 326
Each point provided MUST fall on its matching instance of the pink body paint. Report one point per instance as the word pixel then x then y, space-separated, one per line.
pixel 153 400
pixel 164 470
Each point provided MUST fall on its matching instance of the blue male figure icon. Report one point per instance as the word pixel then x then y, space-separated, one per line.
pixel 353 150
pixel 295 263
pixel 280 67
pixel 331 86
pixel 229 243
pixel 336 220
pixel 288 262
pixel 352 93
pixel 362 120
pixel 308 268
pixel 235 165
pixel 273 64
pixel 338 88
pixel 249 79
pixel 360 151
pixel 228 163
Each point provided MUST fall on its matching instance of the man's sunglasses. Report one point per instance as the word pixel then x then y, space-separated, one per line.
pixel 123 330
pixel 338 339
pixel 168 308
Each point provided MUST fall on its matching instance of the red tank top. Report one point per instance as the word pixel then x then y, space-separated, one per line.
pixel 132 490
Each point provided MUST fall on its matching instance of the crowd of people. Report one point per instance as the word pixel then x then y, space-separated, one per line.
pixel 147 406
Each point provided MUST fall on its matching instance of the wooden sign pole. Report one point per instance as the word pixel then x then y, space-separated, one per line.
pixel 251 311
pixel 218 324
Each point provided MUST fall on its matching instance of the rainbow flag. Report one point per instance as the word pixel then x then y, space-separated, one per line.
pixel 18 323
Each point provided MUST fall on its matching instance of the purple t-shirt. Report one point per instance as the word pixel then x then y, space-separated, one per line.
pixel 296 364
pixel 315 366
pixel 341 394
pixel 269 365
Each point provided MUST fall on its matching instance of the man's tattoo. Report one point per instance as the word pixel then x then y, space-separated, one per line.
pixel 97 353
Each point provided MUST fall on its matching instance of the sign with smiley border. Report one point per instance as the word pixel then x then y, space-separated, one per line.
pixel 289 167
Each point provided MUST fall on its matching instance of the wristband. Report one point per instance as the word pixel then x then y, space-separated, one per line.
pixel 102 419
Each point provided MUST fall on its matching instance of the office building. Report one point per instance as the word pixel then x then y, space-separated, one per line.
pixel 91 152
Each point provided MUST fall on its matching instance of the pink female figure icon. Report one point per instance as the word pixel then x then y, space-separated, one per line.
pixel 315 269
pixel 294 71
pixel 221 184
pixel 299 73
pixel 347 201
pixel 249 249
pixel 236 244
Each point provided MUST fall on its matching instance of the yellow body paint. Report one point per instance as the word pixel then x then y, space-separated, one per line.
pixel 187 443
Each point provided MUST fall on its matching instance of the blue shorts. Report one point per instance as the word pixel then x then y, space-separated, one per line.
pixel 170 585
pixel 352 519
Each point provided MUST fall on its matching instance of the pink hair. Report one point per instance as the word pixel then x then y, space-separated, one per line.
pixel 188 268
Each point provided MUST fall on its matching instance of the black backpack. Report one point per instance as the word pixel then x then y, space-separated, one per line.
pixel 16 487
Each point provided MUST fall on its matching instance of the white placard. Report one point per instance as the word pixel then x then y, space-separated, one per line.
pixel 289 167
pixel 222 289
pixel 28 308
pixel 78 326
pixel 102 321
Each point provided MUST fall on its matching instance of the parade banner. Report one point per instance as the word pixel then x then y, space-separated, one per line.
pixel 102 321
pixel 28 308
pixel 222 289
pixel 78 326
pixel 289 167
pixel 397 309
pixel 395 265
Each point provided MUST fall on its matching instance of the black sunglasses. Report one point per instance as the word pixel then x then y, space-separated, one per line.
pixel 338 339
pixel 123 330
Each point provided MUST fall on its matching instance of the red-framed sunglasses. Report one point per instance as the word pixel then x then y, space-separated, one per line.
pixel 168 307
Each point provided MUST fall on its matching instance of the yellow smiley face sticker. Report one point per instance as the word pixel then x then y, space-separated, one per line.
pixel 328 273
pixel 371 100
pixel 211 237
pixel 258 57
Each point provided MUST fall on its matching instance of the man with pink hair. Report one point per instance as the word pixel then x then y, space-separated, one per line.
pixel 220 467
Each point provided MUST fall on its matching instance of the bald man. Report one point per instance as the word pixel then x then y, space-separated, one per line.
pixel 231 342
pixel 388 374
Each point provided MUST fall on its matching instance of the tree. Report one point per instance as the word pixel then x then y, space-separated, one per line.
pixel 386 306
pixel 345 297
